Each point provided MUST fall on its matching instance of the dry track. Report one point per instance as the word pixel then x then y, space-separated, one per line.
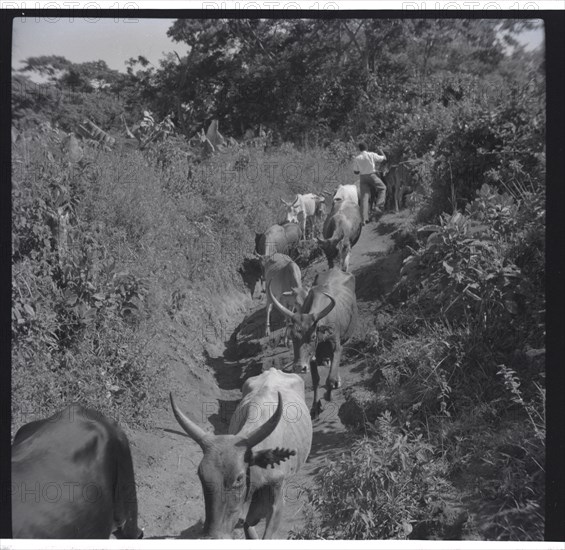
pixel 169 492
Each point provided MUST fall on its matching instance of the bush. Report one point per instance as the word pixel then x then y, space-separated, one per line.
pixel 460 359
pixel 388 484
pixel 466 274
pixel 77 311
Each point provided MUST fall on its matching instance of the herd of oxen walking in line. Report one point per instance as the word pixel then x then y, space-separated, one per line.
pixel 72 473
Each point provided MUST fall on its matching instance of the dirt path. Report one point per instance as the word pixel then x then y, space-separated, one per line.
pixel 170 495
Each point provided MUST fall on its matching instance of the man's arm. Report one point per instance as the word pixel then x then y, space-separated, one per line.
pixel 356 168
pixel 379 157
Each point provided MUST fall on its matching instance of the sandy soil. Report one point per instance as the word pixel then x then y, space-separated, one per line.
pixel 165 459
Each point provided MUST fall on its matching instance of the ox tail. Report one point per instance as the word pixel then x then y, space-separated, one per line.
pixel 125 493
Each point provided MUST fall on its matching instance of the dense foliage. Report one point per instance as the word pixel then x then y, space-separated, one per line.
pixel 458 368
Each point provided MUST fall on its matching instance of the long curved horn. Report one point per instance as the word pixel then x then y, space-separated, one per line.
pixel 266 429
pixel 193 430
pixel 285 311
pixel 322 243
pixel 327 309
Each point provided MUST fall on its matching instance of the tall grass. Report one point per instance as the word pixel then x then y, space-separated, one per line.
pixel 153 238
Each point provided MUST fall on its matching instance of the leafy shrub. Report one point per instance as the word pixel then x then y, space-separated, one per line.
pixel 76 312
pixel 488 146
pixel 388 484
pixel 463 278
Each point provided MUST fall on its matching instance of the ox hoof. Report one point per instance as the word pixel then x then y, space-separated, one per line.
pixel 333 384
pixel 316 410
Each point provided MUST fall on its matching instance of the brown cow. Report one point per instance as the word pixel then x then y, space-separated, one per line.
pixel 400 182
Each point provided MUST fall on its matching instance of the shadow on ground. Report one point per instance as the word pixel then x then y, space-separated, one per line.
pixel 374 281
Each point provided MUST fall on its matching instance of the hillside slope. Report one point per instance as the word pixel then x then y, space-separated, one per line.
pixel 170 495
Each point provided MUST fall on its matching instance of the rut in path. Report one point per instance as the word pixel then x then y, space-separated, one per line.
pixel 170 496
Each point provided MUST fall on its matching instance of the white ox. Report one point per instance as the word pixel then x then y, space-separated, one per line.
pixel 341 231
pixel 346 192
pixel 305 207
pixel 243 473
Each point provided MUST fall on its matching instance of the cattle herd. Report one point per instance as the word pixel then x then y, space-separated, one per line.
pixel 243 472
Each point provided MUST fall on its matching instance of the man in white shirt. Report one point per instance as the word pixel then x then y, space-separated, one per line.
pixel 365 164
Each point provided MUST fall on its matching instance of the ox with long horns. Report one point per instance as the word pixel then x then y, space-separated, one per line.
pixel 243 473
pixel 325 321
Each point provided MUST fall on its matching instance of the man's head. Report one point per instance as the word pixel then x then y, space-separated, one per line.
pixel 362 146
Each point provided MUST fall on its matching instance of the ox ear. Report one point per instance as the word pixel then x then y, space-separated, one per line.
pixel 270 457
pixel 284 202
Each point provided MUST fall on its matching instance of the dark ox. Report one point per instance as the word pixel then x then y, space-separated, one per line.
pixel 342 229
pixel 325 321
pixel 400 181
pixel 72 478
pixel 243 473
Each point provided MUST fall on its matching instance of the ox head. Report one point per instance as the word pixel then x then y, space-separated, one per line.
pixel 225 468
pixel 293 209
pixel 303 330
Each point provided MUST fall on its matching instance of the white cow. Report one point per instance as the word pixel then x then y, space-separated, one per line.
pixel 309 206
pixel 347 193
pixel 243 473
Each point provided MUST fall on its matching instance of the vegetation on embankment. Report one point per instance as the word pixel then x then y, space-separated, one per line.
pixel 147 243
pixel 452 417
